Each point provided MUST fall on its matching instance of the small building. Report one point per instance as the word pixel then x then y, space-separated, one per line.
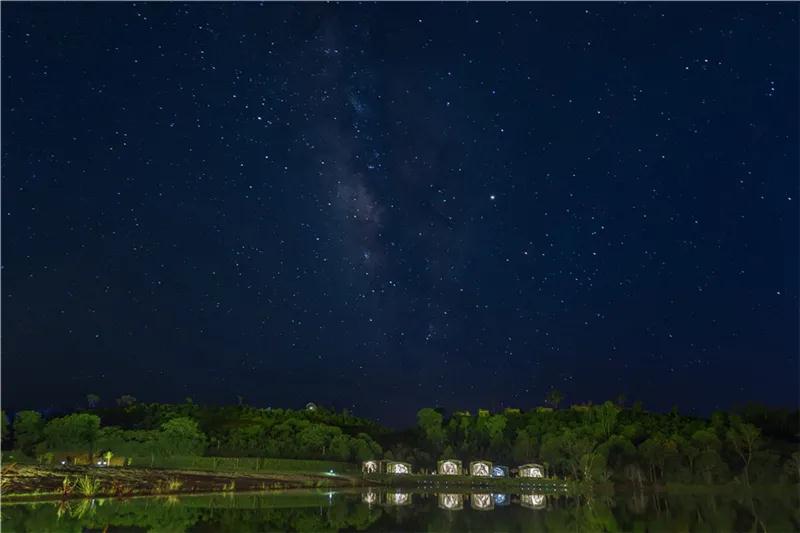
pixel 533 501
pixel 397 467
pixel 451 502
pixel 311 406
pixel 480 468
pixel 481 502
pixel 370 467
pixel 531 470
pixel 499 471
pixel 449 467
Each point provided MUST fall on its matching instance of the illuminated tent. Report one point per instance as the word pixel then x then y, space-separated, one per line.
pixel 398 467
pixel 499 471
pixel 533 501
pixel 451 502
pixel 531 470
pixel 449 467
pixel 370 467
pixel 480 468
pixel 481 502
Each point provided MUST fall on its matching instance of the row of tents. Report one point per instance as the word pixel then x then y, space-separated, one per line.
pixel 454 467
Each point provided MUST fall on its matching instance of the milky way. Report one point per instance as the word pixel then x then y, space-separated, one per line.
pixel 382 207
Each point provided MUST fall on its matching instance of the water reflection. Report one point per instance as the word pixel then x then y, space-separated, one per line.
pixel 379 509
pixel 451 502
pixel 501 499
pixel 532 501
pixel 398 498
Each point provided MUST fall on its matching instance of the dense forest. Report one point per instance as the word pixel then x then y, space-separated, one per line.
pixel 594 443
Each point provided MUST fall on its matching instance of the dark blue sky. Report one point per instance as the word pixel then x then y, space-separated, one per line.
pixel 383 207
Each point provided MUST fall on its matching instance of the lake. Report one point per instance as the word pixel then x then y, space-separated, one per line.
pixel 397 510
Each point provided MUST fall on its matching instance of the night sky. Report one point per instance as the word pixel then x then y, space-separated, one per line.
pixel 385 207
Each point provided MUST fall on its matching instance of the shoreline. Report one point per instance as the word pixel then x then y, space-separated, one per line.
pixel 22 482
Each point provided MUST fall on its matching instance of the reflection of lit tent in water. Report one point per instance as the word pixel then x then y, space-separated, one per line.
pixel 370 467
pixel 398 467
pixel 501 499
pixel 480 468
pixel 532 501
pixel 451 502
pixel 481 502
pixel 398 498
pixel 370 497
pixel 449 467
pixel 531 470
pixel 499 471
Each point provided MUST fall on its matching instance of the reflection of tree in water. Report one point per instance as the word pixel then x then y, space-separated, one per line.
pixel 775 511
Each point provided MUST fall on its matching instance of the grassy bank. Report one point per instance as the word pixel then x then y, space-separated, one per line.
pixel 28 481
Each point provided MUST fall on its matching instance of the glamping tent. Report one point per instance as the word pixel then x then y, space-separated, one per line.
pixel 480 468
pixel 398 467
pixel 499 471
pixel 449 467
pixel 531 470
pixel 370 467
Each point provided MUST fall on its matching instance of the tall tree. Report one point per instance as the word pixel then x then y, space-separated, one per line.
pixel 4 422
pixel 73 431
pixel 430 422
pixel 744 439
pixel 28 431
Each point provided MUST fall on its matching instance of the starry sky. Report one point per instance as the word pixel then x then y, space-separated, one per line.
pixel 385 207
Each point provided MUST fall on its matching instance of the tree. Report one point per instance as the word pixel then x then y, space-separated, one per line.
pixel 606 416
pixel 92 400
pixel 4 422
pixel 126 400
pixel 554 397
pixel 430 422
pixel 495 426
pixel 73 431
pixel 339 448
pixel 744 439
pixel 28 431
pixel 181 436
pixel 522 451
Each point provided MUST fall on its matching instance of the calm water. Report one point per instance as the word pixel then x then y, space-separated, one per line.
pixel 381 510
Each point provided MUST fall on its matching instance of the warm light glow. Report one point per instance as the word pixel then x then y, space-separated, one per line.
pixel 452 502
pixel 482 502
pixel 480 469
pixel 399 498
pixel 531 471
pixel 534 501
pixel 448 468
pixel 398 468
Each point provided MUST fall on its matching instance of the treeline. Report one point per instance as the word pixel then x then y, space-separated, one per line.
pixel 608 442
pixel 163 430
